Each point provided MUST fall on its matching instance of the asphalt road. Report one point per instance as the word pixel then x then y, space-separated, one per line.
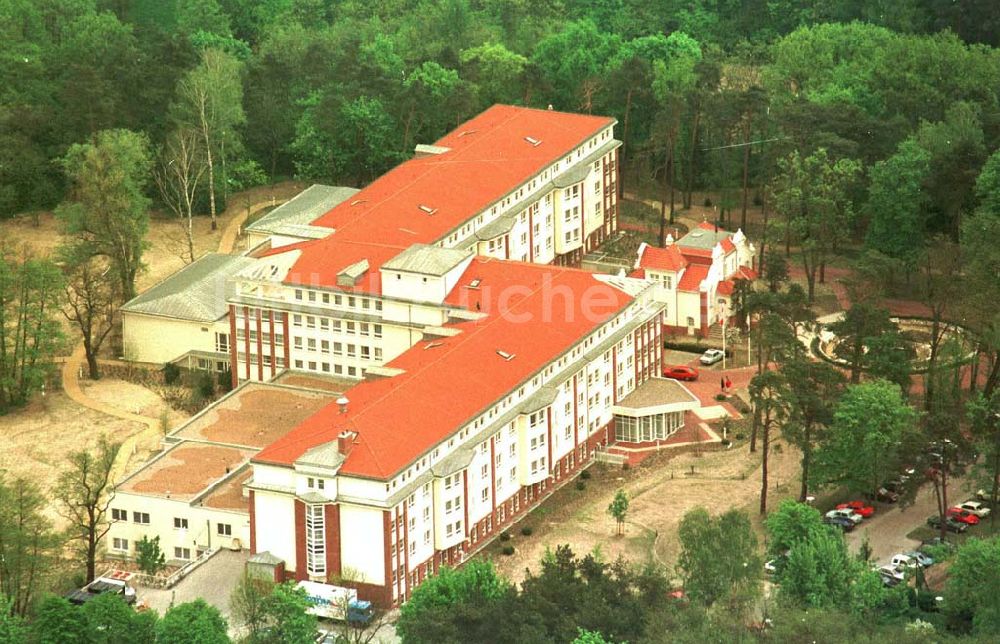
pixel 887 528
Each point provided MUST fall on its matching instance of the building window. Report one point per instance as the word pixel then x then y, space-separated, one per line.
pixel 118 515
pixel 222 342
pixel 298 294
pixel 182 553
pixel 180 523
pixel 224 529
pixel 140 518
pixel 119 544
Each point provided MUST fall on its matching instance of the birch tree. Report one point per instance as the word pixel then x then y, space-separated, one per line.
pixel 178 177
pixel 210 101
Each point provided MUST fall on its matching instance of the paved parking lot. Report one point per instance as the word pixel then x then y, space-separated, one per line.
pixel 887 529
pixel 213 581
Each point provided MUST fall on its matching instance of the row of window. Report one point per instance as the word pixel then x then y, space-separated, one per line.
pixel 326 367
pixel 338 348
pixel 277 361
pixel 348 327
pixel 265 337
pixel 180 523
pixel 336 299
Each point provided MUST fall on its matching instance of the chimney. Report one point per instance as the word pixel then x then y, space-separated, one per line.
pixel 342 401
pixel 345 441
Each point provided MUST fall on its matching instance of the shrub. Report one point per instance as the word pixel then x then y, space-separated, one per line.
pixel 505 536
pixel 720 397
pixel 526 530
pixel 171 373
pixel 580 485
pixel 708 202
pixel 626 466
pixel 585 474
pixel 224 380
pixel 725 442
pixel 739 436
pixel 204 384
pixel 744 408
pixel 507 550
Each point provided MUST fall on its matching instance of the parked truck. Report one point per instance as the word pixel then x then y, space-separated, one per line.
pixel 337 603
pixel 102 586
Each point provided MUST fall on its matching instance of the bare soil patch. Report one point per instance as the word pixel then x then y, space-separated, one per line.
pixel 37 439
pixel 661 490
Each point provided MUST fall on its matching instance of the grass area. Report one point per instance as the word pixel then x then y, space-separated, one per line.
pixel 638 212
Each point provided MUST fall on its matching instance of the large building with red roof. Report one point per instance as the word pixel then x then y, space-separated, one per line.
pixel 480 369
pixel 696 275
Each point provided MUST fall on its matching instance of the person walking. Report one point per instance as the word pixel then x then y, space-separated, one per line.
pixel 722 384
pixel 729 384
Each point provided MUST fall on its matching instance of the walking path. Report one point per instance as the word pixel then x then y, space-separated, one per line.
pixel 150 429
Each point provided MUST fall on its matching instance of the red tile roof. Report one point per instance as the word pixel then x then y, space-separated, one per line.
pixel 663 259
pixel 692 278
pixel 488 157
pixel 725 287
pixel 534 313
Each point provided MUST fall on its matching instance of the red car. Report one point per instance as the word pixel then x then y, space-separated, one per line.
pixel 963 516
pixel 859 507
pixel 680 373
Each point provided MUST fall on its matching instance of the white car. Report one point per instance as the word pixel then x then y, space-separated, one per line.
pixel 711 356
pixel 847 514
pixel 976 508
pixel 903 561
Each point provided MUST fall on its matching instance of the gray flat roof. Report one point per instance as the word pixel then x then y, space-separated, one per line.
pixel 427 260
pixel 303 209
pixel 197 292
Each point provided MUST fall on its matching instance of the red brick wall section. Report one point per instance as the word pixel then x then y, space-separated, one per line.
pixel 274 359
pixel 287 341
pixel 253 526
pixel 386 544
pixel 332 517
pixel 300 541
pixel 260 347
pixel 246 339
pixel 233 364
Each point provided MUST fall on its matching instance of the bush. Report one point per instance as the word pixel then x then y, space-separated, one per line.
pixel 744 408
pixel 526 530
pixel 507 550
pixel 505 536
pixel 725 442
pixel 224 380
pixel 626 466
pixel 739 436
pixel 580 485
pixel 204 384
pixel 171 373
pixel 585 474
pixel 721 397
pixel 708 202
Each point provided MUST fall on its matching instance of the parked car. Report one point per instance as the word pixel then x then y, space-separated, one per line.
pixel 896 486
pixel 951 525
pixel 891 572
pixel 903 561
pixel 845 513
pixel 843 523
pixel 884 495
pixel 711 356
pixel 922 560
pixel 964 516
pixel 977 508
pixel 680 372
pixel 859 507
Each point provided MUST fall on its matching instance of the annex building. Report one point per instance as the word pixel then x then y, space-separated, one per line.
pixel 475 369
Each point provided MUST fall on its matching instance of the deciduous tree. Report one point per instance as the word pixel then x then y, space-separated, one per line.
pixel 619 509
pixel 872 426
pixel 149 557
pixel 194 621
pixel 718 559
pixel 973 588
pixel 107 214
pixel 84 491
pixel 210 101
pixel 178 176
pixel 92 300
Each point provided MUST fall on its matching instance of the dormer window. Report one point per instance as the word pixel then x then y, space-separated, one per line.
pixel 533 141
pixel 506 356
pixel 357 202
pixel 427 209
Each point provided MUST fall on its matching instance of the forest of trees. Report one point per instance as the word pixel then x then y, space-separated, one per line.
pixel 339 91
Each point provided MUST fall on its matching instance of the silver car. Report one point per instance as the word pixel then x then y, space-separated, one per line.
pixel 711 356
